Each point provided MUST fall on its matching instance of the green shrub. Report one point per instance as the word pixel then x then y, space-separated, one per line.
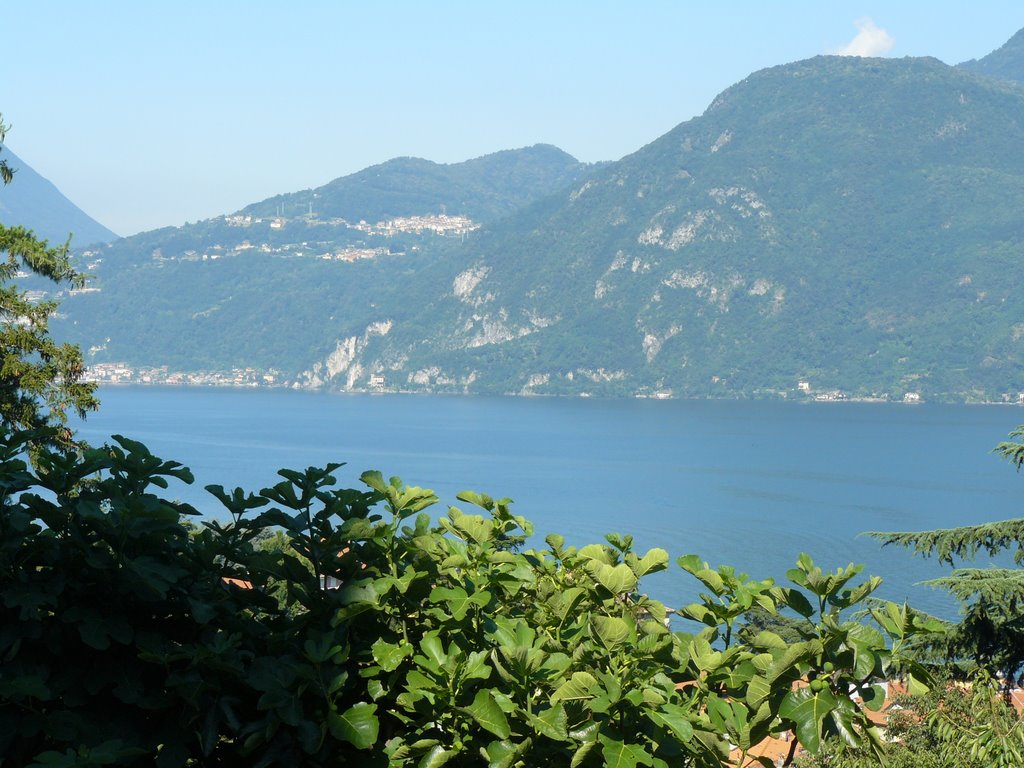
pixel 122 643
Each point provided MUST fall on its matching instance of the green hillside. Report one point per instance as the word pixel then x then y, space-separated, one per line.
pixel 1005 63
pixel 853 224
pixel 275 285
pixel 484 189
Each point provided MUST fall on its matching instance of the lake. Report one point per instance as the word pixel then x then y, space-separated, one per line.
pixel 750 484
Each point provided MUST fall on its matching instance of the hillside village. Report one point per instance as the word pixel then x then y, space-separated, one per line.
pixel 441 225
pixel 341 239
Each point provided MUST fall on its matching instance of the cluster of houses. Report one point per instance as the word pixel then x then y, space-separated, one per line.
pixel 122 373
pixel 438 224
pixel 838 395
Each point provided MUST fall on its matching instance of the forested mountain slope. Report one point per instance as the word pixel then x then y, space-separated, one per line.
pixel 274 285
pixel 852 223
pixel 484 189
pixel 1005 63
pixel 849 223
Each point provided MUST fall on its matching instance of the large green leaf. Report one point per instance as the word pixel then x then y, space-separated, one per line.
pixel 785 666
pixel 655 560
pixel 611 631
pixel 598 553
pixel 158 576
pixel 20 687
pixel 618 754
pixel 374 479
pixel 873 697
pixel 580 686
pixel 758 690
pixel 436 757
pixel 320 647
pixel 358 725
pixel 845 720
pixel 458 601
pixel 358 591
pixel 703 655
pixel 796 600
pixel 468 527
pixel 434 657
pixel 617 579
pixel 917 679
pixel 476 667
pixel 504 754
pixel 390 655
pixel 769 641
pixel 552 722
pixel 565 601
pixel 580 755
pixel 488 715
pixel 674 718
pixel 808 711
pixel 710 578
pixel 735 676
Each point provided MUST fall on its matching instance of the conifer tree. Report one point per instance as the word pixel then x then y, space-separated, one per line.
pixel 40 380
pixel 991 633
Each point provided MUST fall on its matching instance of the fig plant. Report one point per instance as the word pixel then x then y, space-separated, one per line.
pixel 381 636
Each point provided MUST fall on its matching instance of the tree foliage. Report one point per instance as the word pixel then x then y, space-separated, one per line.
pixel 991 632
pixel 956 724
pixel 40 380
pixel 987 645
pixel 129 639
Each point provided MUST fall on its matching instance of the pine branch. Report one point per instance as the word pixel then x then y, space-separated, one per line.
pixel 964 542
pixel 991 585
pixel 1013 451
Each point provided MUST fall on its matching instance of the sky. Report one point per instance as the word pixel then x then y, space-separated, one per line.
pixel 150 114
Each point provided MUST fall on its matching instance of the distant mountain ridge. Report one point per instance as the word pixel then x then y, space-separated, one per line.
pixel 276 283
pixel 481 190
pixel 484 188
pixel 1005 63
pixel 836 227
pixel 32 201
pixel 846 222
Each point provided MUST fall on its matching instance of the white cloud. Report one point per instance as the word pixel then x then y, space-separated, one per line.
pixel 870 41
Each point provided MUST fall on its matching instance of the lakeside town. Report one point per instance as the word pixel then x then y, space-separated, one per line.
pixel 123 373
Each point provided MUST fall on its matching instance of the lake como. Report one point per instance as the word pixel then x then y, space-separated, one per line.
pixel 751 484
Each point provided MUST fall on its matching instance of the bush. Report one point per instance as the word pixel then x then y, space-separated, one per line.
pixel 373 635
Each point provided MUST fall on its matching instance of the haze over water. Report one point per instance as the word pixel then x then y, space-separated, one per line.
pixel 750 484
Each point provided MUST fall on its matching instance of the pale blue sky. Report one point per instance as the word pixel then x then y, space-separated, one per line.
pixel 148 114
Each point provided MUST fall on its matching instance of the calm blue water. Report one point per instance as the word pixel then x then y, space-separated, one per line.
pixel 750 484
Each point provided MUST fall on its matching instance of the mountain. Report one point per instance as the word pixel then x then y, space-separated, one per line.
pixel 484 189
pixel 1005 63
pixel 32 201
pixel 328 218
pixel 851 223
pixel 275 285
pixel 833 225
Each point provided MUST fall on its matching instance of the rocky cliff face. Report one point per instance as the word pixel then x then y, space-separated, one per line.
pixel 852 224
pixel 760 245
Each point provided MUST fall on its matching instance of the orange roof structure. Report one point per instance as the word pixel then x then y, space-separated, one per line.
pixel 233 582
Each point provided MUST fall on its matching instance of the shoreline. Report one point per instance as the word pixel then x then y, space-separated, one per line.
pixel 802 400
